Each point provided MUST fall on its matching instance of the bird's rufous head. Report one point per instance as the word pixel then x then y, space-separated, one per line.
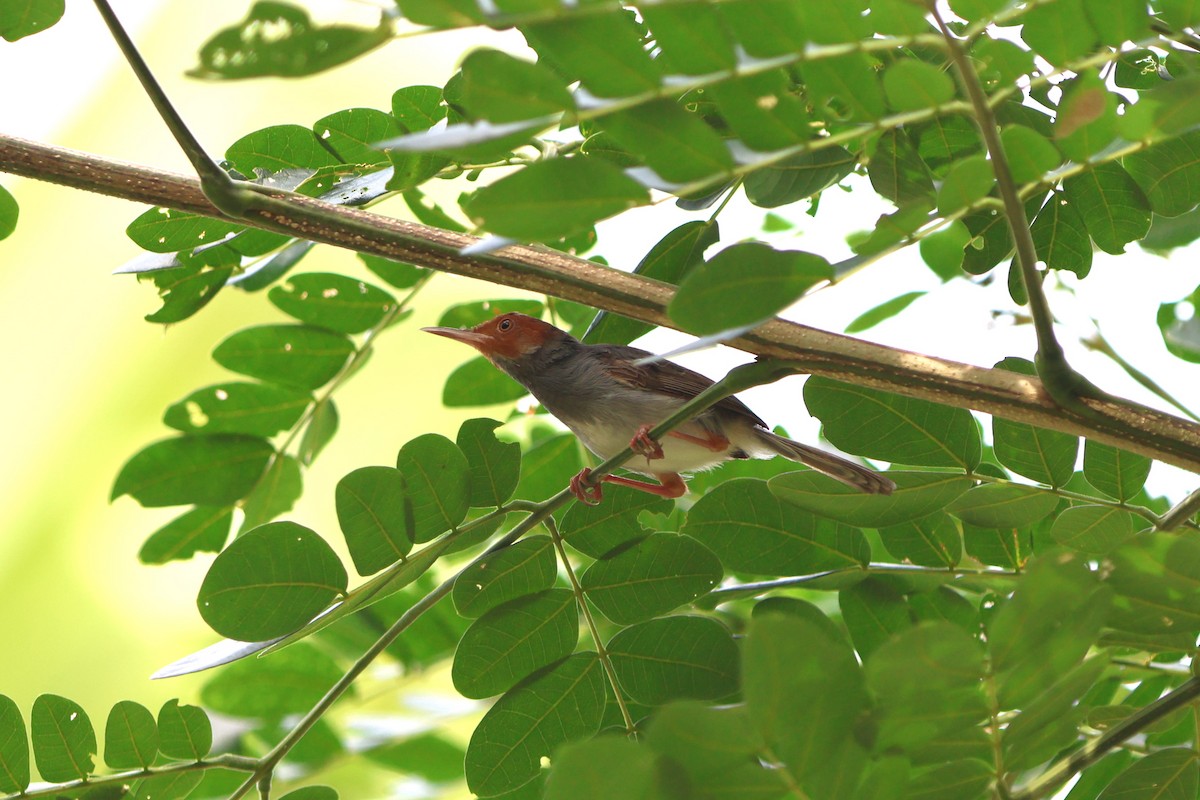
pixel 510 336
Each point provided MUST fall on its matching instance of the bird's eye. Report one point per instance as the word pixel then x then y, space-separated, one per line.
pixel 505 324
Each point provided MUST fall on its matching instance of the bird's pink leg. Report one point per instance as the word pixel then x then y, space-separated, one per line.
pixel 714 441
pixel 644 445
pixel 670 485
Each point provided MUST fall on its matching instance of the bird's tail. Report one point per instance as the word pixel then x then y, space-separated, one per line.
pixel 835 467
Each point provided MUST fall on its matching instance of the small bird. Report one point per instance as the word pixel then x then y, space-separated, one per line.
pixel 611 401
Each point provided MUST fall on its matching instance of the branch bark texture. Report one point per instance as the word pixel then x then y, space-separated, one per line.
pixel 1130 426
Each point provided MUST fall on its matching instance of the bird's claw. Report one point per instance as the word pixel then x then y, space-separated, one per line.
pixel 586 493
pixel 644 445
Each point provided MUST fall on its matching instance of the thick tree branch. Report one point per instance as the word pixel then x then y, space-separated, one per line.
pixel 1005 394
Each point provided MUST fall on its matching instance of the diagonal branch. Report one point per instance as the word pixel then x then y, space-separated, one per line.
pixel 1005 394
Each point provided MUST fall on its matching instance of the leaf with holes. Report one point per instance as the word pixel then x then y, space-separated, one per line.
pixel 563 703
pixel 332 301
pixel 255 409
pixel 64 741
pixel 521 569
pixel 300 356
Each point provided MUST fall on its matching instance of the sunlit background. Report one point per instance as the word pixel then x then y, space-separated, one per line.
pixel 86 379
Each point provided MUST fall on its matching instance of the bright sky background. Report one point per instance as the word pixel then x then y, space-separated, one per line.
pixel 87 379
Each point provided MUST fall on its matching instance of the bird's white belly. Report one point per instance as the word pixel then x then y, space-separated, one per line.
pixel 679 455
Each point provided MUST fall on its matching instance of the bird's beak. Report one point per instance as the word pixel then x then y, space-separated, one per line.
pixel 480 341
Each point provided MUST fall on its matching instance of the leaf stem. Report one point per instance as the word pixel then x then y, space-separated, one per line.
pixel 1059 773
pixel 601 650
pixel 226 761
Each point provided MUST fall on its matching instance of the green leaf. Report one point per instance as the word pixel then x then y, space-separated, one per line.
pixel 743 284
pixel 186 289
pixel 184 732
pixel 945 251
pixel 373 511
pixel 884 311
pixel 554 198
pixel 968 180
pixel 804 690
pixel 513 640
pixel 1093 530
pixel 63 739
pixel 561 704
pixel 995 505
pixel 598 530
pixel 603 51
pixel 896 169
pixel 800 176
pixel 963 779
pixel 1112 206
pixel 322 425
pixel 946 139
pixel 1060 236
pixel 203 529
pixel 1059 32
pixel 14 748
pixel 279 39
pixel 130 736
pixel 521 569
pixel 895 428
pixel 606 767
pixel 1117 473
pixel 166 230
pixel 333 301
pixel 991 242
pixel 677 144
pixel 1157 580
pixel 428 755
pixel 22 18
pixel 500 88
pixel 1167 774
pixel 495 466
pixel 312 793
pixel 438 485
pixel 1169 174
pixel 255 409
pixel 669 260
pixel 1037 453
pixel 352 134
pixel 1180 13
pixel 289 682
pixel 928 683
pixel 917 495
pixel 468 315
pixel 9 211
pixel 205 470
pixel 394 273
pixel 1045 627
pixel 912 85
pixel 1030 155
pixel 750 530
pixel 1007 547
pixel 675 657
pixel 269 582
pixel 780 121
pixel 1051 722
pixel 277 148
pixel 548 467
pixel 873 612
pixel 478 383
pixel 1086 121
pixel 651 577
pixel 1118 21
pixel 299 356
pixel 276 493
pixel 930 541
pixel 850 80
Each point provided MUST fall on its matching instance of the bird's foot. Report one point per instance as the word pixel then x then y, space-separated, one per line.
pixel 586 493
pixel 644 445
